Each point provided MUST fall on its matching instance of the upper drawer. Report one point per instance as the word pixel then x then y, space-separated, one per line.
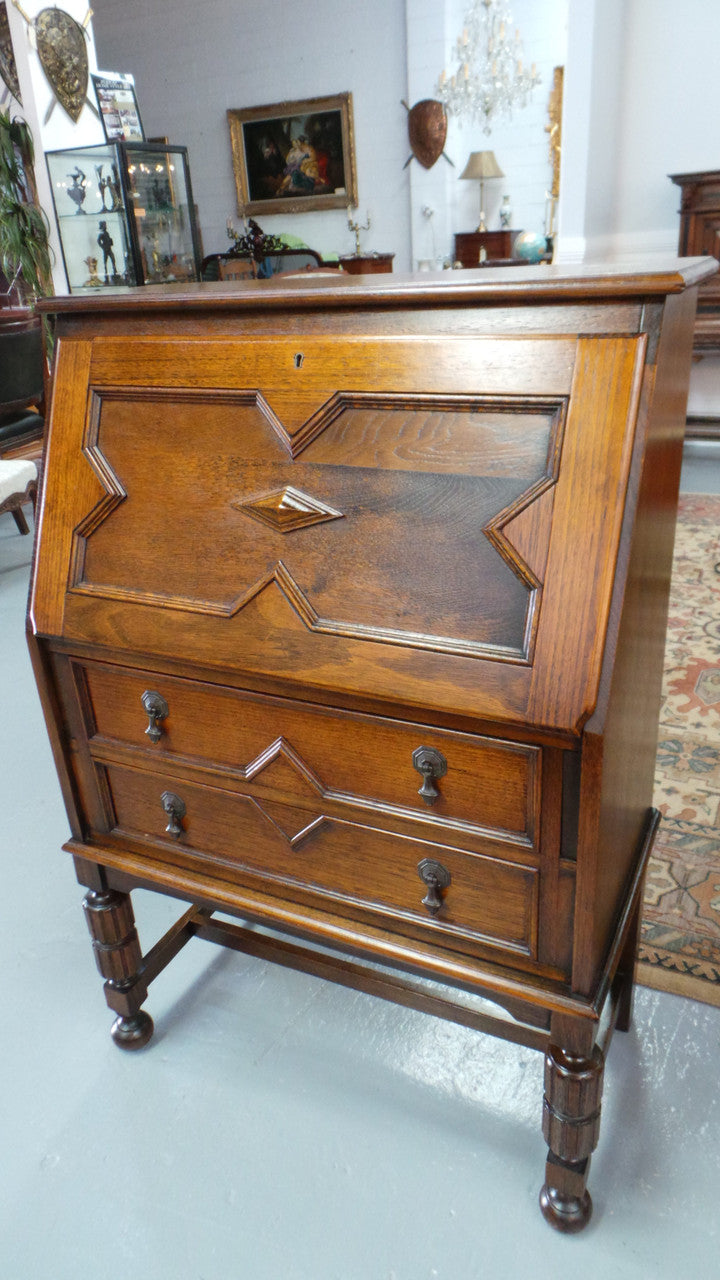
pixel 393 515
pixel 321 760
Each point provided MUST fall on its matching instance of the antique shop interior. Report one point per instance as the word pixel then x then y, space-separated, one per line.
pixel 279 1126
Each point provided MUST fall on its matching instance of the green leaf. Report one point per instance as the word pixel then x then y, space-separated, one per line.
pixel 24 230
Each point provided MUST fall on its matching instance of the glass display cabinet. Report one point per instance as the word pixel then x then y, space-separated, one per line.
pixel 125 214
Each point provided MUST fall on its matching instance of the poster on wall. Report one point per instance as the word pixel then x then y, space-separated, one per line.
pixel 118 107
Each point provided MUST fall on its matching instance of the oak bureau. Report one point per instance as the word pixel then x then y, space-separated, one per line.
pixel 347 615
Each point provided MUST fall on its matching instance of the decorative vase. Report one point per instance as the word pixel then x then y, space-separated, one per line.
pixel 505 212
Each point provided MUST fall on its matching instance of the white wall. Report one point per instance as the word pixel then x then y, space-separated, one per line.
pixel 521 145
pixel 665 120
pixel 670 108
pixel 591 127
pixel 247 55
pixel 192 61
pixel 642 100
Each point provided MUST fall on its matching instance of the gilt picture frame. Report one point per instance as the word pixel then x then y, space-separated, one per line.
pixel 293 157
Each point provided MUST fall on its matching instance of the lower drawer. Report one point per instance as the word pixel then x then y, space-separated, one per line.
pixel 372 871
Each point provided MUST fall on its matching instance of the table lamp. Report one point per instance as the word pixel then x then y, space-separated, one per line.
pixel 482 165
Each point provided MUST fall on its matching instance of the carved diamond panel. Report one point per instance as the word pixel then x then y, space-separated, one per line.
pixel 295 825
pixel 287 509
pixel 446 500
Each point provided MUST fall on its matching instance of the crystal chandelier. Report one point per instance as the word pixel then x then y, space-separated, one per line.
pixel 490 79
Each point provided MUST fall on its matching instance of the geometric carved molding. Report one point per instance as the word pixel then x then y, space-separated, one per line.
pixel 528 532
pixel 521 536
pixel 113 495
pixel 519 533
pixel 336 405
pixel 285 769
pixel 280 578
pixel 295 825
pixel 288 769
pixel 287 775
pixel 287 509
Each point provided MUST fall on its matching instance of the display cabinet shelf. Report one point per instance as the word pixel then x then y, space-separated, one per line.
pixel 125 215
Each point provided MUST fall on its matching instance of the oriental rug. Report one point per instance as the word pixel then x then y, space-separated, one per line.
pixel 680 935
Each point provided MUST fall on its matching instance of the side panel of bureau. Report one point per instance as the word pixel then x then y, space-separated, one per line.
pixel 620 739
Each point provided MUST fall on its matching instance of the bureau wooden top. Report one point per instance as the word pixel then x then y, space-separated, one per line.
pixel 545 283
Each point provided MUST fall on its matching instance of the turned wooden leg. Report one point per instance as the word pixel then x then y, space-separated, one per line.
pixel 571 1125
pixel 117 952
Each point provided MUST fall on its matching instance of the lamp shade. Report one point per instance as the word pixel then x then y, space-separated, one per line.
pixel 482 164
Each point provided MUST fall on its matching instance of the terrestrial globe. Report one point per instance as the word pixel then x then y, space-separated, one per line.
pixel 529 245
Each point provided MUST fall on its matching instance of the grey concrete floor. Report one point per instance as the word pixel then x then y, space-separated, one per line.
pixel 701 467
pixel 280 1128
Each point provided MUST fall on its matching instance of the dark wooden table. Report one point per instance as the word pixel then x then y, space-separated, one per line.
pixel 470 245
pixel 356 264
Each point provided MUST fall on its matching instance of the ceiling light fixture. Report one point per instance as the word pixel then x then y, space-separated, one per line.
pixel 490 79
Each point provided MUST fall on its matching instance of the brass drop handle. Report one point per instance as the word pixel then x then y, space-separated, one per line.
pixel 156 708
pixel 436 877
pixel 431 764
pixel 175 809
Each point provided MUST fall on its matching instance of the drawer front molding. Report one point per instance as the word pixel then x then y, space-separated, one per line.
pixel 490 792
pixel 375 872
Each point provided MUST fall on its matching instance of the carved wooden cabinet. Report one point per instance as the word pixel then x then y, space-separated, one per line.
pixel 347 615
pixel 700 233
pixel 470 245
pixel 362 264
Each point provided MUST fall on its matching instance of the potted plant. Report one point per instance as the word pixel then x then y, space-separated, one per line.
pixel 24 243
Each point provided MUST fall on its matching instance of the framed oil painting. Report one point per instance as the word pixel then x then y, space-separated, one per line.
pixel 293 157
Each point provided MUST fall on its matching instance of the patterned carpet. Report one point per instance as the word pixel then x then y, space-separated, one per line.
pixel 680 941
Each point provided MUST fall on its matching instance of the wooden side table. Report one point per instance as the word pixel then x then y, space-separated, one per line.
pixel 700 234
pixel 497 244
pixel 362 264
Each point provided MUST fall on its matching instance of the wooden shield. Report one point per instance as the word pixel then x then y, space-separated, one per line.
pixel 8 69
pixel 63 56
pixel 427 130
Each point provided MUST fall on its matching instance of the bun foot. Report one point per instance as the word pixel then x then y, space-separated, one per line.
pixel 133 1033
pixel 565 1213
